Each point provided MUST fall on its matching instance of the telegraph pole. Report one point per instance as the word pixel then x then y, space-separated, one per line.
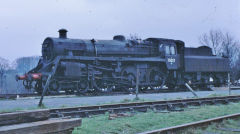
pixel 229 88
pixel 137 83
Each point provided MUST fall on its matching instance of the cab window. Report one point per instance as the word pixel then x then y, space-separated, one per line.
pixel 167 51
pixel 172 50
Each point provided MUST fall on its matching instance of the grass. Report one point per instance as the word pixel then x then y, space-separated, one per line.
pixel 150 120
pixel 21 109
pixel 216 95
pixel 10 110
pixel 132 100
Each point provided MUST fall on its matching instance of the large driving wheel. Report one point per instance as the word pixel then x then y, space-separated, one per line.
pixel 157 79
pixel 101 84
pixel 82 86
pixel 68 91
pixel 171 86
pixel 132 83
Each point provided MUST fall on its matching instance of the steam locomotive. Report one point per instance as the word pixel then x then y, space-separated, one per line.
pixel 77 65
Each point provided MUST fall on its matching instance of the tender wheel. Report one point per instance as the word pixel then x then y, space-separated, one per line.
pixel 171 86
pixel 217 81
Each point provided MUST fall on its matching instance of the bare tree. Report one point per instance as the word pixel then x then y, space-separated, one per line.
pixel 212 39
pixel 229 47
pixel 24 64
pixel 134 37
pixel 235 71
pixel 222 43
pixel 4 66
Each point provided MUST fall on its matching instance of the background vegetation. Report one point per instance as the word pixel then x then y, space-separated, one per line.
pixel 8 71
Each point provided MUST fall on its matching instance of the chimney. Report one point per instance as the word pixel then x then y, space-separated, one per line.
pixel 62 33
pixel 119 38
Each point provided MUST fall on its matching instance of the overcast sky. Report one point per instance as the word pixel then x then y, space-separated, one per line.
pixel 24 24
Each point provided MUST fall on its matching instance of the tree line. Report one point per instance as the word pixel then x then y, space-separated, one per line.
pixel 224 44
pixel 9 70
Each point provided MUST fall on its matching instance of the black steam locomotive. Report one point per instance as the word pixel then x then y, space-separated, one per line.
pixel 77 65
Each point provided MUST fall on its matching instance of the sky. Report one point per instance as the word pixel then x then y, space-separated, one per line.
pixel 25 24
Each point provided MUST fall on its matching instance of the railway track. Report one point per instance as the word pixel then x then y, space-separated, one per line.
pixel 157 106
pixel 177 129
pixel 71 117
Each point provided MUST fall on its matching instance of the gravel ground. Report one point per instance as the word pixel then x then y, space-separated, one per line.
pixel 69 101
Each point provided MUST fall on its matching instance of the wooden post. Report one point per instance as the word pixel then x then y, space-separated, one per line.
pixel 45 90
pixel 229 88
pixel 186 84
pixel 137 83
pixel 17 90
pixel 54 69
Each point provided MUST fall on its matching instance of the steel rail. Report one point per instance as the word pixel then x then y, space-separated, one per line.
pixel 157 106
pixel 176 129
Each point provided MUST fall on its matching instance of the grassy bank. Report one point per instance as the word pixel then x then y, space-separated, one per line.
pixel 150 120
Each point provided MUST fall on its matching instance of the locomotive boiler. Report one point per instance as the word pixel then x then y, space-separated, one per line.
pixel 77 65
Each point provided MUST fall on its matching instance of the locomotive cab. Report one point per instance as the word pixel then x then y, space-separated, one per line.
pixel 171 50
pixel 171 56
pixel 174 55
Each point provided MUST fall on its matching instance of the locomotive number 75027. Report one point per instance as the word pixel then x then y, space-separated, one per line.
pixel 171 60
